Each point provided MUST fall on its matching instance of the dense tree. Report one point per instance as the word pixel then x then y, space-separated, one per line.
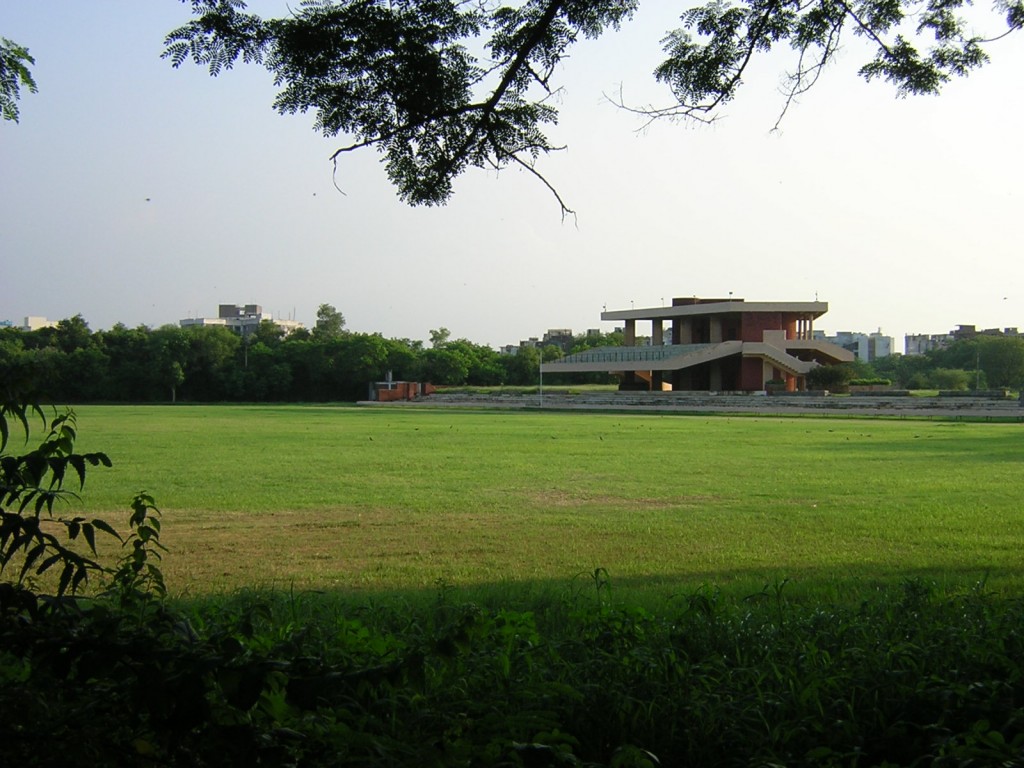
pixel 444 366
pixel 950 379
pixel 267 378
pixel 401 75
pixel 329 322
pixel 403 358
pixel 15 374
pixel 211 370
pixel 999 358
pixel 68 363
pixel 130 373
pixel 72 333
pixel 267 333
pixel 169 354
pixel 522 368
pixel 585 341
pixel 904 371
pixel 439 337
pixel 360 359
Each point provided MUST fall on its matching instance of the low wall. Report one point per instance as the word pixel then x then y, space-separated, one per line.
pixel 899 405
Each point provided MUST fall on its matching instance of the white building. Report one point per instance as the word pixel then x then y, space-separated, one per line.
pixel 866 347
pixel 35 323
pixel 241 319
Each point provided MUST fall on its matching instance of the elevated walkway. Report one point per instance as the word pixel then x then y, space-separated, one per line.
pixel 675 357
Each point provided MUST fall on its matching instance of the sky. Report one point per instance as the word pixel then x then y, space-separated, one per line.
pixel 137 193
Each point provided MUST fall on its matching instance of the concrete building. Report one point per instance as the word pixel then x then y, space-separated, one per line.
pixel 919 343
pixel 242 319
pixel 561 338
pixel 867 347
pixel 35 323
pixel 713 345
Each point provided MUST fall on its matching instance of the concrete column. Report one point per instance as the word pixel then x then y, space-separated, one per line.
pixel 716 374
pixel 682 331
pixel 629 336
pixel 715 329
pixel 657 331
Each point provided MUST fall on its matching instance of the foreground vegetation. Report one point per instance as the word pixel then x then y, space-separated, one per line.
pixel 891 667
pixel 903 679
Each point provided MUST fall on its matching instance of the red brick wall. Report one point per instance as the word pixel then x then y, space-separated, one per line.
pixel 750 374
pixel 754 324
pixel 404 390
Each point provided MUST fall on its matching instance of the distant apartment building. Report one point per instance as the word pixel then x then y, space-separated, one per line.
pixel 561 338
pixel 242 319
pixel 35 323
pixel 555 337
pixel 970 331
pixel 866 347
pixel 920 343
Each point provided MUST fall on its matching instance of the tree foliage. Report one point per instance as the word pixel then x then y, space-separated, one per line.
pixel 440 86
pixel 71 364
pixel 329 322
pixel 14 75
pixel 31 484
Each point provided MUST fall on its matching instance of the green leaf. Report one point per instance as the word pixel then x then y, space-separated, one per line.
pixel 48 563
pixel 77 461
pixel 81 574
pixel 104 526
pixel 90 536
pixel 30 558
pixel 65 578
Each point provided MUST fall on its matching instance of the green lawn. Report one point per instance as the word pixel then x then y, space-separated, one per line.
pixel 378 499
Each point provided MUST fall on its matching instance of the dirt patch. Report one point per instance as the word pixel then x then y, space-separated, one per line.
pixel 561 499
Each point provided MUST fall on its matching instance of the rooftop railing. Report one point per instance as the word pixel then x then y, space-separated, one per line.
pixel 632 354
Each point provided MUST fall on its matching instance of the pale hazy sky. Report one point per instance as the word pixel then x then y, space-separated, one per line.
pixel 137 193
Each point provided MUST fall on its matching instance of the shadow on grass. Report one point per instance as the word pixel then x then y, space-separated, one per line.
pixel 662 594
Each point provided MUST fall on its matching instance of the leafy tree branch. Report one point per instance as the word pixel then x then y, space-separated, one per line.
pixel 400 76
pixel 14 75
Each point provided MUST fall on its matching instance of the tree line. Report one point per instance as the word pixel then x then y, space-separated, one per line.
pixel 982 362
pixel 70 363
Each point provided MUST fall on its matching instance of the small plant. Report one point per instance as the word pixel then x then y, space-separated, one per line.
pixel 30 486
pixel 136 574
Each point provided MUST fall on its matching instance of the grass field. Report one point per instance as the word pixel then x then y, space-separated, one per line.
pixel 375 499
pixel 432 590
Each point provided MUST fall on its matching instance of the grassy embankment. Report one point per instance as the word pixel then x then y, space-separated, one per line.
pixel 381 500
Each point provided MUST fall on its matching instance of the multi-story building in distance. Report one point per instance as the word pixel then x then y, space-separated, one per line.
pixel 714 345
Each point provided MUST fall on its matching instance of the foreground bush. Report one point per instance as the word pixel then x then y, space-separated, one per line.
pixel 906 679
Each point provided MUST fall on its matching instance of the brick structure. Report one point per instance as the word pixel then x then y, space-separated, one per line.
pixel 713 345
